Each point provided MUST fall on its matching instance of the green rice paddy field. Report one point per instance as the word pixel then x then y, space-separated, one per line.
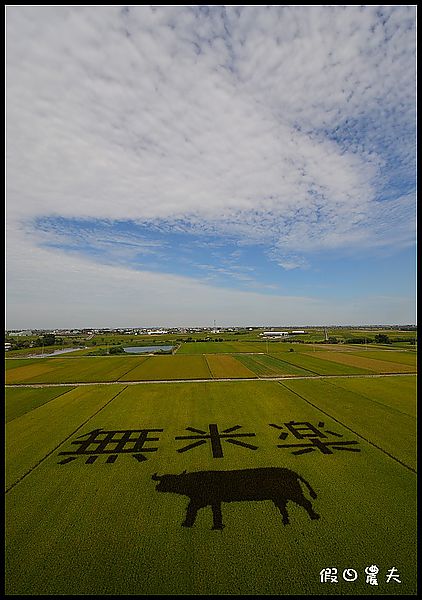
pixel 310 472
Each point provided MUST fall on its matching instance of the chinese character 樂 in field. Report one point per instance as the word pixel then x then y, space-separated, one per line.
pixel 305 430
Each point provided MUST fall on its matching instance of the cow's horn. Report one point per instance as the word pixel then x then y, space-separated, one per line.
pixel 155 477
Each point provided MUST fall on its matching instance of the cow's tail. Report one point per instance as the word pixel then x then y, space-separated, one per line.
pixel 311 491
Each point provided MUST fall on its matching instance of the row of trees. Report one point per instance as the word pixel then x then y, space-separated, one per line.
pixel 48 339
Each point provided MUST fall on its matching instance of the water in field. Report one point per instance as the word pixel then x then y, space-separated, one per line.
pixel 147 349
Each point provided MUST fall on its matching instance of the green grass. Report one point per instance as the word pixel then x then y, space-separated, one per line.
pixel 103 529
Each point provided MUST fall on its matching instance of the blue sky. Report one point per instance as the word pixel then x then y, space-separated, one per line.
pixel 178 165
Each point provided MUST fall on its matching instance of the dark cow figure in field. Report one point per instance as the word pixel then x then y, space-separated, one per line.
pixel 214 487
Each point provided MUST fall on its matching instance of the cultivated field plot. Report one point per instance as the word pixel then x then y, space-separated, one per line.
pixel 381 410
pixel 378 366
pixel 72 370
pixel 406 358
pixel 222 365
pixel 169 367
pixel 320 366
pixel 308 474
pixel 265 365
pixel 221 347
pixel 26 399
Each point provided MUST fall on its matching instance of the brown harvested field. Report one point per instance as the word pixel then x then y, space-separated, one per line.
pixel 227 366
pixel 378 366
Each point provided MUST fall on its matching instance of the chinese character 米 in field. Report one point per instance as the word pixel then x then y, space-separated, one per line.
pixel 214 437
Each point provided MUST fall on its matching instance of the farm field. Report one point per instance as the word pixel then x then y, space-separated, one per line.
pixel 383 423
pixel 26 399
pixel 206 366
pixel 320 366
pixel 32 436
pixel 378 366
pixel 406 358
pixel 72 370
pixel 84 515
pixel 220 347
pixel 169 367
pixel 270 366
pixel 227 366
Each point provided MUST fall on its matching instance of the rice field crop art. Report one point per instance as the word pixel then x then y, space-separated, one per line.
pixel 207 488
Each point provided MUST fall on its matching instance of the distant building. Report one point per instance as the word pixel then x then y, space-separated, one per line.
pixel 298 332
pixel 275 333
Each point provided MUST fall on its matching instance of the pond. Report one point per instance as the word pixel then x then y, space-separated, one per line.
pixel 147 349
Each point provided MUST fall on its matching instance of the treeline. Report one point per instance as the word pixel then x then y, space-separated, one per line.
pixel 379 338
pixel 48 339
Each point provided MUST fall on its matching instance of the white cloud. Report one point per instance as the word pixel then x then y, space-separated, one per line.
pixel 143 127
pixel 213 119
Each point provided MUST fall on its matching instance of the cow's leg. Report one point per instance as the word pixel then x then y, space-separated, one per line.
pixel 217 518
pixel 281 505
pixel 191 513
pixel 307 506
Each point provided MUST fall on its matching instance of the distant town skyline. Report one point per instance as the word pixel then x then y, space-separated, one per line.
pixel 180 165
